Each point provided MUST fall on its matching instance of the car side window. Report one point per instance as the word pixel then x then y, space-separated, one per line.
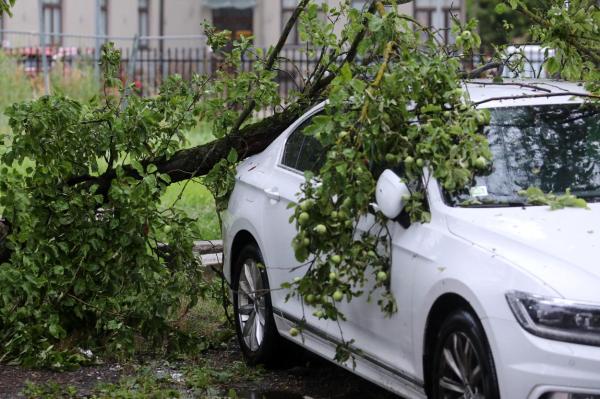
pixel 293 147
pixel 312 155
pixel 303 152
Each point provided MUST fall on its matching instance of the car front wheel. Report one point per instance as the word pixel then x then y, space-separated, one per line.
pixel 255 326
pixel 463 366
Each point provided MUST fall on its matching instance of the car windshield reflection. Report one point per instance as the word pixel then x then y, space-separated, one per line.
pixel 553 147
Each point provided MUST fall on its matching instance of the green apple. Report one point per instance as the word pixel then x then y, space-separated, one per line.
pixel 320 229
pixel 480 162
pixel 303 218
pixel 338 295
pixel 307 204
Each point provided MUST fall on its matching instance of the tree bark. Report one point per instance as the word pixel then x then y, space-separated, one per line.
pixel 198 161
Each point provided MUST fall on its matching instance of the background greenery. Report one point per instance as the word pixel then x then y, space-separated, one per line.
pixel 492 24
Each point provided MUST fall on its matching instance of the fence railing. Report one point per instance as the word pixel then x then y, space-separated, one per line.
pixel 148 60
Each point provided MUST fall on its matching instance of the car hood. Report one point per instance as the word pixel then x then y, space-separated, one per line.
pixel 561 248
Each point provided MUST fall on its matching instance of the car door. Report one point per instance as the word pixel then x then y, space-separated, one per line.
pixel 388 339
pixel 299 153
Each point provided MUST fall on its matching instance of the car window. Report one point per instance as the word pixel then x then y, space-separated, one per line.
pixel 292 147
pixel 312 155
pixel 303 152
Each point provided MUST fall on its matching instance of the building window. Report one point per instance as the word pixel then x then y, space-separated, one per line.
pixel 450 14
pixel 238 21
pixel 143 21
pixel 103 17
pixel 363 5
pixel 52 14
pixel 424 16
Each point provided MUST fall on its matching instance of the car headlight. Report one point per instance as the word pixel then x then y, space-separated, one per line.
pixel 556 318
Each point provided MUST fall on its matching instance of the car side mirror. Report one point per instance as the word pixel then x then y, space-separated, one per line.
pixel 390 194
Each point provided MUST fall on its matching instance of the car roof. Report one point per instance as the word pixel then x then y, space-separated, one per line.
pixel 490 94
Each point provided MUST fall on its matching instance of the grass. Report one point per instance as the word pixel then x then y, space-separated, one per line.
pixel 193 197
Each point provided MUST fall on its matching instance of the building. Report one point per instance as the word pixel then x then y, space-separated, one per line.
pixel 263 19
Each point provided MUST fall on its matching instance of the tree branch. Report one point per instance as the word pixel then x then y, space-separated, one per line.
pixel 271 61
pixel 545 95
pixel 475 73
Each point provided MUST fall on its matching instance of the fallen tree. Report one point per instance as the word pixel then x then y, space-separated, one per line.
pixel 81 183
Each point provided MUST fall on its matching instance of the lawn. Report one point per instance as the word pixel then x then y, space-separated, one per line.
pixel 195 199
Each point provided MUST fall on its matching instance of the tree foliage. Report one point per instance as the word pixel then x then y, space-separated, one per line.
pixel 407 112
pixel 6 5
pixel 508 27
pixel 87 267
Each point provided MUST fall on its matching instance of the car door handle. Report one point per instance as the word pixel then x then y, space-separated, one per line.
pixel 272 193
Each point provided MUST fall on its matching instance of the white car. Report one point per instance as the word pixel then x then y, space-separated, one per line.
pixel 495 299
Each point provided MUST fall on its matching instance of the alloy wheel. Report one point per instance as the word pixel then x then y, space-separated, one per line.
pixel 460 369
pixel 252 311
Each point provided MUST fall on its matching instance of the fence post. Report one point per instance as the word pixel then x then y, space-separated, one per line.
pixel 43 47
pixel 133 59
pixel 131 69
pixel 163 64
pixel 98 41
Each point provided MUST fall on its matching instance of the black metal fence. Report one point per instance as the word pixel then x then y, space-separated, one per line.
pixel 149 67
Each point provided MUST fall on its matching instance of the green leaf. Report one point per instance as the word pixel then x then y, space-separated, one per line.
pixel 346 72
pixel 137 166
pixel 552 66
pixel 232 157
pixel 56 330
pixel 151 168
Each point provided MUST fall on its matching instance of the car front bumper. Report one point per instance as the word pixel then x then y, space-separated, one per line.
pixel 537 368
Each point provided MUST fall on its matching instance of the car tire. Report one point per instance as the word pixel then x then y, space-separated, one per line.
pixel 463 366
pixel 253 313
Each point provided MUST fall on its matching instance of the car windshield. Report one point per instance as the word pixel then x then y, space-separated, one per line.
pixel 553 147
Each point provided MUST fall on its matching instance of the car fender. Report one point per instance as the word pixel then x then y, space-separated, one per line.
pixel 239 225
